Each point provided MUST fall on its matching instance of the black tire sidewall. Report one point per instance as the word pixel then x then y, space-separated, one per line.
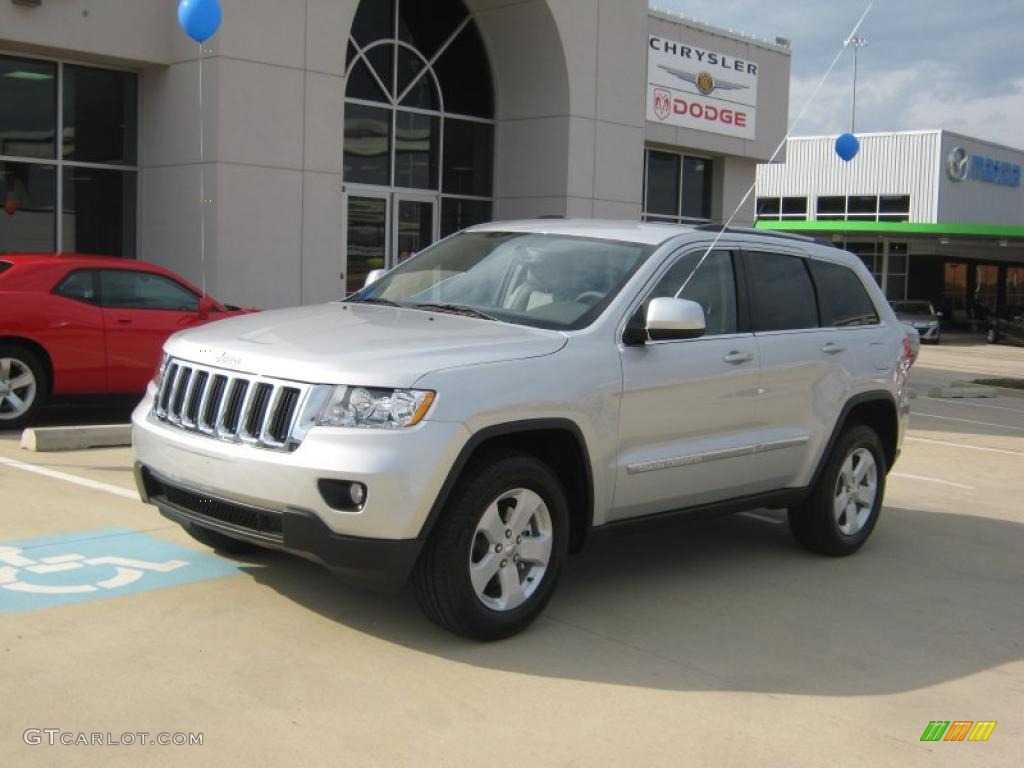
pixel 31 360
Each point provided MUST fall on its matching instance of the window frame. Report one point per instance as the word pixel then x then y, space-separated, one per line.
pixel 59 163
pixel 678 217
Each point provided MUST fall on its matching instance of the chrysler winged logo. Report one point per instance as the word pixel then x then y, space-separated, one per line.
pixel 703 81
pixel 957 164
pixel 662 103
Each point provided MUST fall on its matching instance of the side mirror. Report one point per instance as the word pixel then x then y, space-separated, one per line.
pixel 374 275
pixel 669 318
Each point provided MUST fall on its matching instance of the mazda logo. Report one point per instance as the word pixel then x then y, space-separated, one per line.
pixel 957 164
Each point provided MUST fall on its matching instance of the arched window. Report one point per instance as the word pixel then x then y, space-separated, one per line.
pixel 419 106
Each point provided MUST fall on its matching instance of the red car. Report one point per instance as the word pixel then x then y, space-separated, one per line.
pixel 87 325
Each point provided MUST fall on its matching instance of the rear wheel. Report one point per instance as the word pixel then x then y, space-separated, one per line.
pixel 220 542
pixel 24 385
pixel 494 558
pixel 843 507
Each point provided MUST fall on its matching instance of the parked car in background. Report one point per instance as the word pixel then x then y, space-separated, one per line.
pixel 1007 326
pixel 921 316
pixel 87 325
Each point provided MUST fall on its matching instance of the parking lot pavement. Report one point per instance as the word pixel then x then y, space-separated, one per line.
pixel 717 643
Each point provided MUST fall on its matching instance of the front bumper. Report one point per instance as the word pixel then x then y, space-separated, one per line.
pixel 273 498
pixel 928 333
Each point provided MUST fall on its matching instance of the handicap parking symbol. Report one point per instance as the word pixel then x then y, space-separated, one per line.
pixel 92 565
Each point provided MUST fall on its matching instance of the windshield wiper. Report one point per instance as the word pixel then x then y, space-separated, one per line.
pixel 372 300
pixel 453 309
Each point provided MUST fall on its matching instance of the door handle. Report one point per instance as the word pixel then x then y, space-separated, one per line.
pixel 124 321
pixel 736 357
pixel 833 349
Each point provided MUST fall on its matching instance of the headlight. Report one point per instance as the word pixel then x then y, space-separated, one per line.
pixel 374 408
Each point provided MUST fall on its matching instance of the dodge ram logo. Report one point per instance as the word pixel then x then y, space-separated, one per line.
pixel 662 103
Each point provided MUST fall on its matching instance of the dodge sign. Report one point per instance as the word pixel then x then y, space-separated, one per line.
pixel 705 90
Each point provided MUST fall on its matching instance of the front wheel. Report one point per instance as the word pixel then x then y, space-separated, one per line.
pixel 23 386
pixel 494 558
pixel 844 504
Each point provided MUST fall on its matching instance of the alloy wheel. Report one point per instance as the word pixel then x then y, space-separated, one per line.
pixel 17 388
pixel 855 492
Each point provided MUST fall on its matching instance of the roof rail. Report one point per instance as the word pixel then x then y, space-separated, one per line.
pixel 711 227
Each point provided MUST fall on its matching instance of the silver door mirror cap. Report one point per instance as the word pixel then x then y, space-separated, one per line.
pixel 670 318
pixel 374 276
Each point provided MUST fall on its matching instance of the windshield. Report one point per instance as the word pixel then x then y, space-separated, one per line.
pixel 545 281
pixel 912 307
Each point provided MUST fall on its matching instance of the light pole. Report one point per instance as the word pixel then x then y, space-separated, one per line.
pixel 856 43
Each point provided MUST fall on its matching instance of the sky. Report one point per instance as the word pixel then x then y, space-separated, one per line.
pixel 954 64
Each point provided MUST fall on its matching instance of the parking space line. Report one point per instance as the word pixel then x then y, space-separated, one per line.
pixel 963 445
pixel 966 421
pixel 85 482
pixel 932 480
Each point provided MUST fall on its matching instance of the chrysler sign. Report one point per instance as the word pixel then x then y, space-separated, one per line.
pixel 692 87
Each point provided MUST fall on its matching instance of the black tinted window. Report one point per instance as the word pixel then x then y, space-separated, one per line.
pixel 125 289
pixel 712 286
pixel 79 285
pixel 781 293
pixel 4 266
pixel 842 296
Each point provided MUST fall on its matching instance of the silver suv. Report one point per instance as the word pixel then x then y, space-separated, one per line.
pixel 470 418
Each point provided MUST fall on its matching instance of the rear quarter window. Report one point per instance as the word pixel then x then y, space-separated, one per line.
pixel 4 266
pixel 842 296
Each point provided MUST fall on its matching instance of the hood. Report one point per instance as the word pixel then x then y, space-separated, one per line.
pixel 350 343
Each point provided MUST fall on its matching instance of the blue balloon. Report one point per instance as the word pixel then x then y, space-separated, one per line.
pixel 199 18
pixel 847 147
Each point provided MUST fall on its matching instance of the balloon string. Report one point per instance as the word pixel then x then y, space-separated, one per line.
pixel 202 180
pixel 792 127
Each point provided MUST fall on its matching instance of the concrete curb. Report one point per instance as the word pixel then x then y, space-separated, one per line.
pixel 76 438
pixel 958 392
pixel 1000 391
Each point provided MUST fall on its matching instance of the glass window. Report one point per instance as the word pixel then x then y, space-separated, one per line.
pixel 124 289
pixel 662 183
pixel 361 83
pixel 831 208
pixel 841 295
pixel 29 195
pixel 862 206
pixel 375 20
pixel 367 238
pixel 768 207
pixel 426 26
pixel 468 157
pixel 28 130
pixel 99 212
pixel 457 214
pixel 696 188
pixel 367 144
pixel 100 115
pixel 894 204
pixel 465 75
pixel 416 145
pixel 794 207
pixel 79 285
pixel 713 286
pixel 412 70
pixel 781 293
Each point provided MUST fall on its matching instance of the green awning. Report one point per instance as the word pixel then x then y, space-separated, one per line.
pixel 893 228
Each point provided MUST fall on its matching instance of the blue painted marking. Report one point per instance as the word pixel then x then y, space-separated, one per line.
pixel 93 565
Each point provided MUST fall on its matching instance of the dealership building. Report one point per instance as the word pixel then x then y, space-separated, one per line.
pixel 935 215
pixel 344 135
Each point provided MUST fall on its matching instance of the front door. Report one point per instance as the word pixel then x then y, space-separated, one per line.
pixel 384 228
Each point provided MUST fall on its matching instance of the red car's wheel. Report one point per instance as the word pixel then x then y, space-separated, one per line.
pixel 23 386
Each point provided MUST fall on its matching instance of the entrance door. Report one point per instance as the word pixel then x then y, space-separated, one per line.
pixel 415 225
pixel 366 242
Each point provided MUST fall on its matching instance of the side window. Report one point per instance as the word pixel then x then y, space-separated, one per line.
pixel 713 286
pixel 124 289
pixel 781 293
pixel 80 285
pixel 841 293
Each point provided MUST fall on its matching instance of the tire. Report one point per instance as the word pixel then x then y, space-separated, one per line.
pixel 468 536
pixel 816 524
pixel 24 386
pixel 220 542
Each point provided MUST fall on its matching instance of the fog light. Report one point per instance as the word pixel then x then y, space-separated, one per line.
pixel 357 492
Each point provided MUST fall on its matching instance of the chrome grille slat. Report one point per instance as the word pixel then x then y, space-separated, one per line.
pixel 230 407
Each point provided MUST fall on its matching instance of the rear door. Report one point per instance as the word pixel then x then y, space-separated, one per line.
pixel 687 423
pixel 803 381
pixel 140 310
